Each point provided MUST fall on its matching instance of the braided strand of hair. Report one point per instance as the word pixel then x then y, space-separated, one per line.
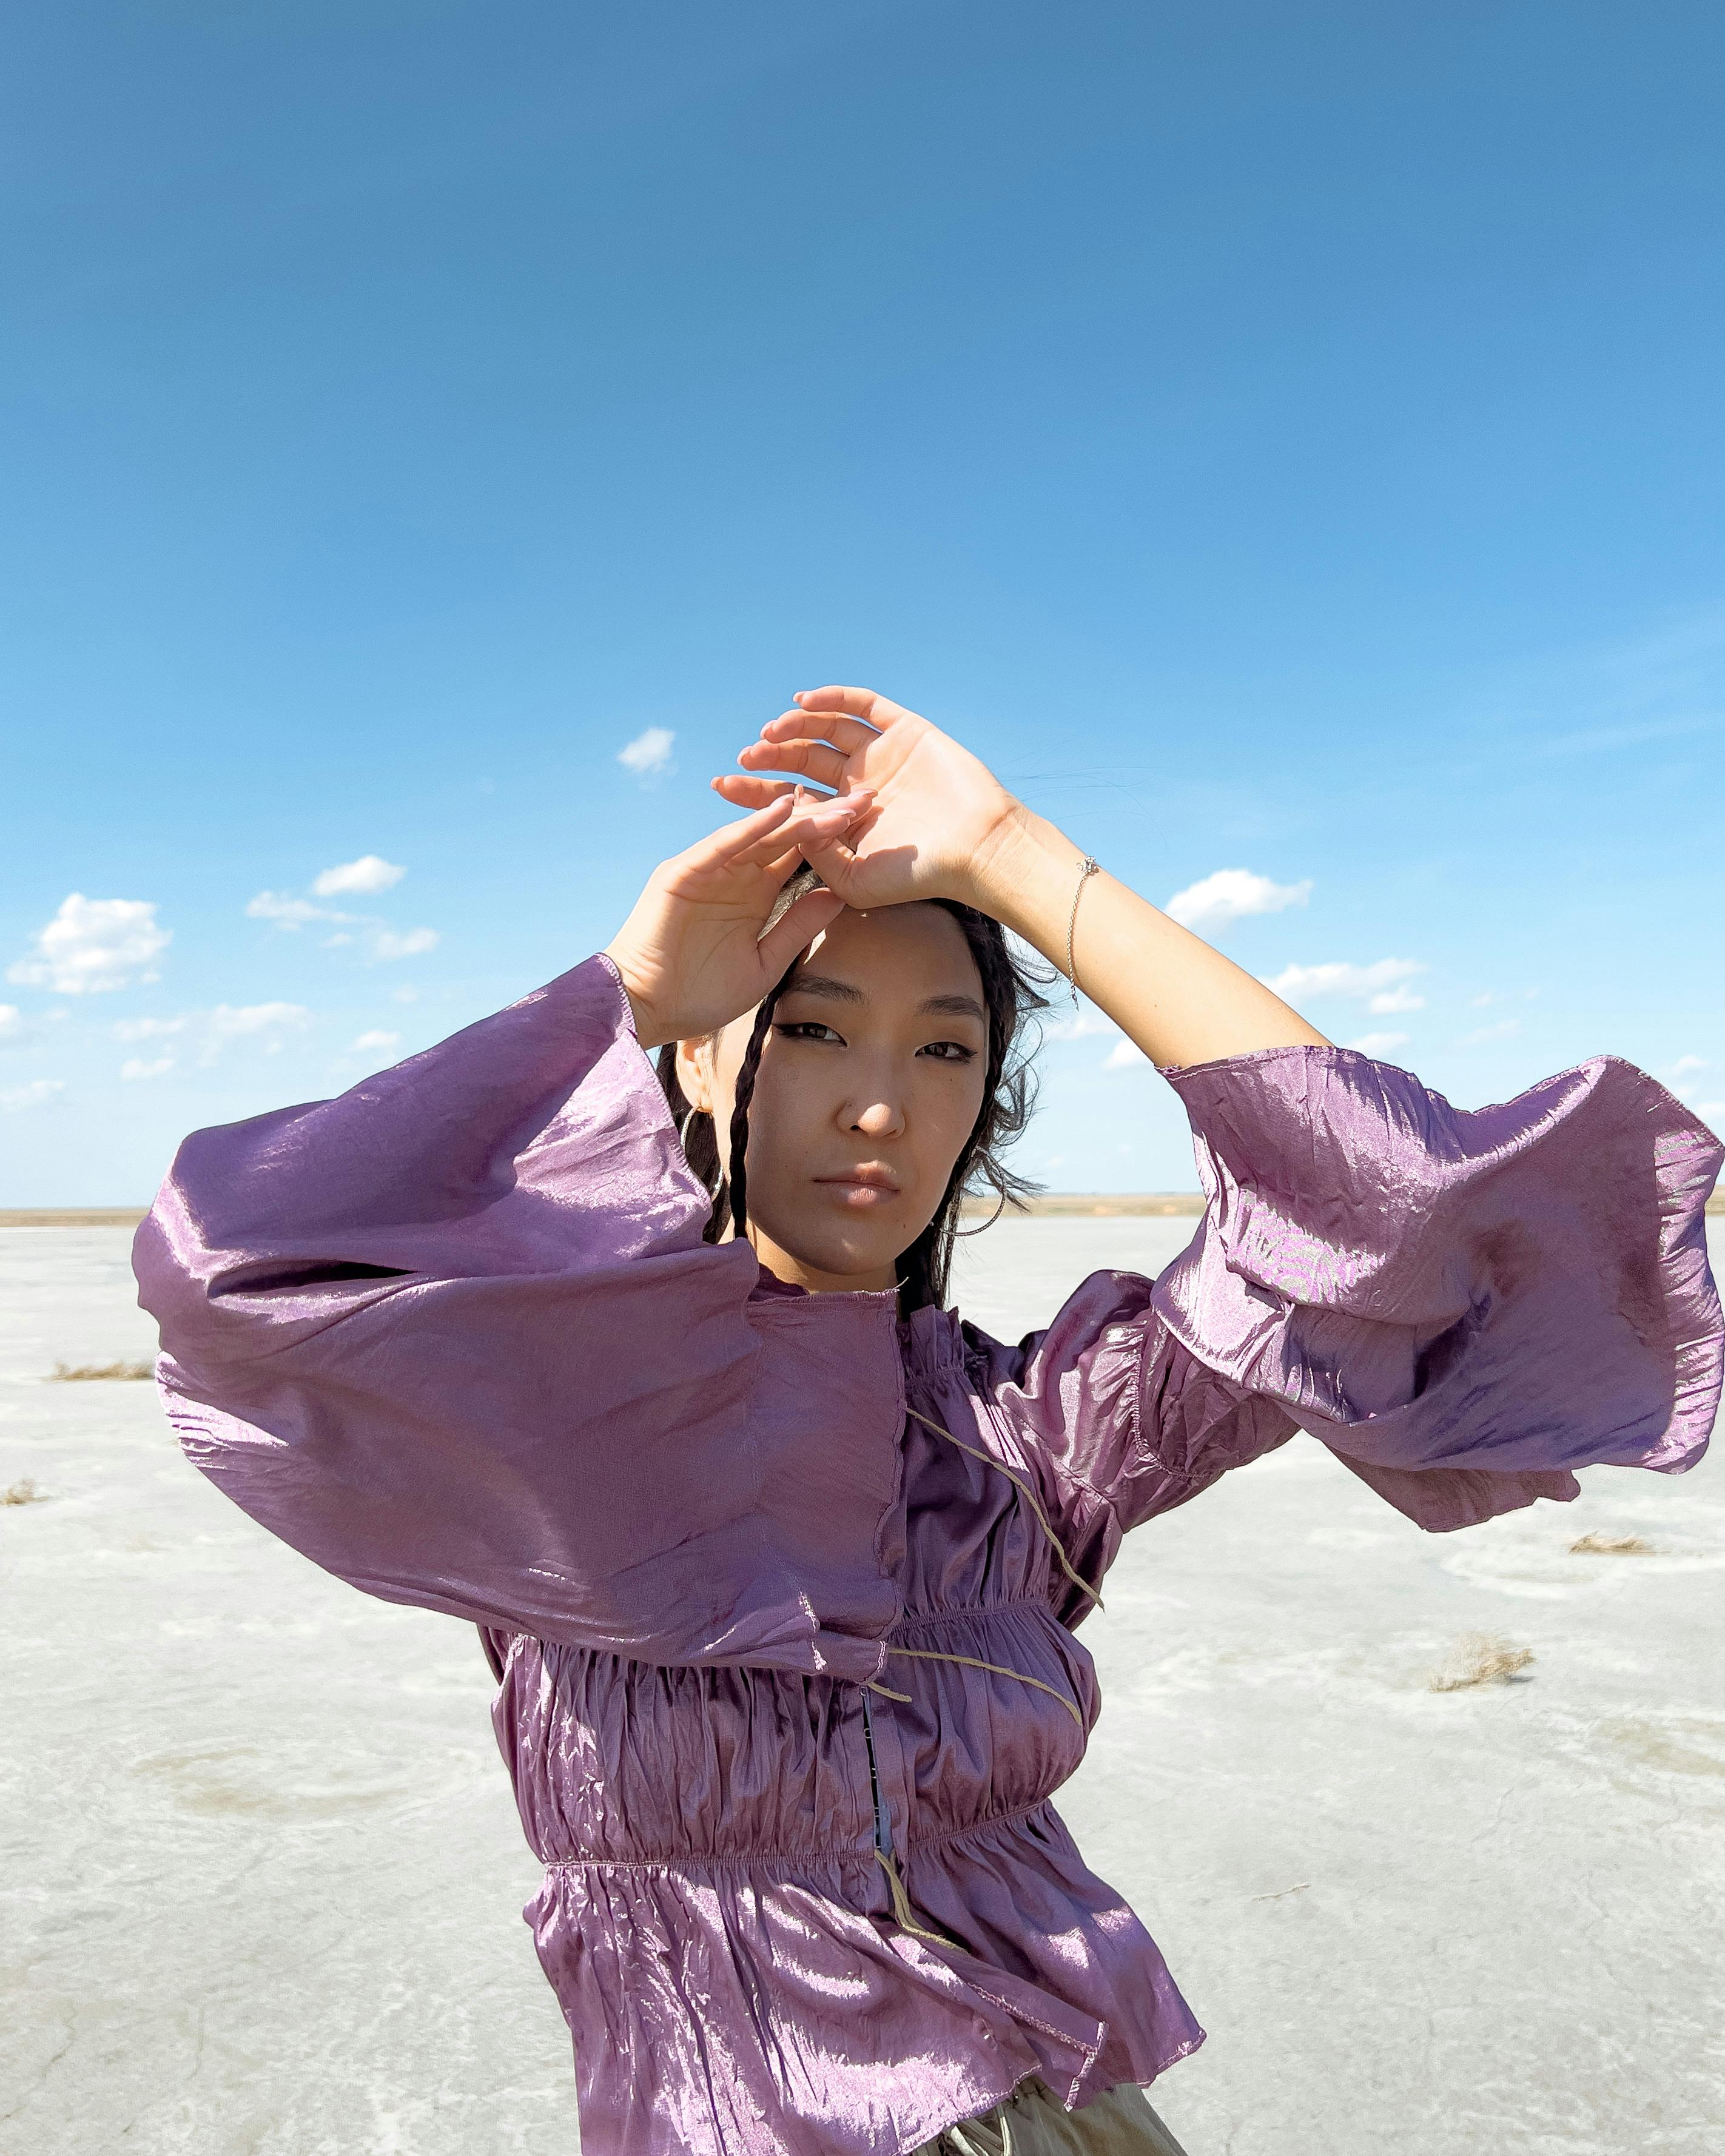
pixel 737 1173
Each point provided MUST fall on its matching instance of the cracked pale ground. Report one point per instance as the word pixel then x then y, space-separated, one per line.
pixel 263 1876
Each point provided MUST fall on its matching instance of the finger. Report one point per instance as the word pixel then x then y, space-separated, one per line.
pixel 815 759
pixel 748 792
pixel 731 841
pixel 846 735
pixel 782 866
pixel 879 711
pixel 818 824
pixel 803 922
pixel 833 864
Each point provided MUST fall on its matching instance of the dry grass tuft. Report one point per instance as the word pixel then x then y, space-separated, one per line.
pixel 78 1374
pixel 1611 1546
pixel 1481 1658
pixel 22 1492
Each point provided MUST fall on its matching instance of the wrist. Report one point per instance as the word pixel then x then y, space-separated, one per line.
pixel 1023 875
pixel 647 1031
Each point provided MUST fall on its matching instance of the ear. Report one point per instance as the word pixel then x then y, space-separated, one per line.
pixel 694 1074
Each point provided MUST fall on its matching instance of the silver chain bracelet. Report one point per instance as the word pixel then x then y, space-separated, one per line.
pixel 1087 868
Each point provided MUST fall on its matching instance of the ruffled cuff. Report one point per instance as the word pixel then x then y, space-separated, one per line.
pixel 1465 1306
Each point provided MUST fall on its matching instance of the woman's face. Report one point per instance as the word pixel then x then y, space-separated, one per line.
pixel 871 1081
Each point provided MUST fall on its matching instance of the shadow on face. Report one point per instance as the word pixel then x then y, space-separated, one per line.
pixel 869 1084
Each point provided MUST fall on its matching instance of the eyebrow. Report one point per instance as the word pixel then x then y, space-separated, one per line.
pixel 824 985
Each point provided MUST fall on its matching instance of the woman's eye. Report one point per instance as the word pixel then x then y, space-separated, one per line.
pixel 949 1051
pixel 808 1028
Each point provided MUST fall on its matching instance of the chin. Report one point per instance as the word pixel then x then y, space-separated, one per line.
pixel 839 1254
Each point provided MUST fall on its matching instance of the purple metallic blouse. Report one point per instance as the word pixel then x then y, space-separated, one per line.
pixel 770 1580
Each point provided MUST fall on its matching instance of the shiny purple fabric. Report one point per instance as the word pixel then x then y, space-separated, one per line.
pixel 455 1337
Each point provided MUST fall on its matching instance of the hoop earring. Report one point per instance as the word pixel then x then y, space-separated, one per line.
pixel 683 1127
pixel 960 1233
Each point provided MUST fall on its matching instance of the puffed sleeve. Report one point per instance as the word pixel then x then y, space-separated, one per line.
pixel 1464 1307
pixel 455 1337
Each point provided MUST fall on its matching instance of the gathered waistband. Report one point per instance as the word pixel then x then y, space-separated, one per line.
pixel 860 1852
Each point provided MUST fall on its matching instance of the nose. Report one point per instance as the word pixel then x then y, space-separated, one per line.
pixel 874 1119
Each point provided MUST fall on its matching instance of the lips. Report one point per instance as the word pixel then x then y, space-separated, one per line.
pixel 874 1180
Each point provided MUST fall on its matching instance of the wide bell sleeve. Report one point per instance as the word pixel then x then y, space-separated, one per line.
pixel 1464 1307
pixel 456 1336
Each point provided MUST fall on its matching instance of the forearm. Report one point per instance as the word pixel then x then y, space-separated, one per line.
pixel 1179 1000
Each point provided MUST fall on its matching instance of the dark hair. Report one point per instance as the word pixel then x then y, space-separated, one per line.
pixel 1012 996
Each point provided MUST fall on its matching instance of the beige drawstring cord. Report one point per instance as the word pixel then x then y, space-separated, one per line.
pixel 1000 1669
pixel 971 1661
pixel 1023 1489
pixel 902 1904
pixel 902 1915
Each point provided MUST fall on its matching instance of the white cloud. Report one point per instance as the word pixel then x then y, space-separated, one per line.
pixel 287 911
pixel 1714 1111
pixel 39 1091
pixel 1685 1063
pixel 147 1029
pixel 93 944
pixel 404 995
pixel 375 1041
pixel 265 1022
pixel 1379 1043
pixel 1594 738
pixel 1079 1024
pixel 1230 895
pixel 650 753
pixel 1124 1056
pixel 370 873
pixel 1504 1028
pixel 206 1033
pixel 1378 986
pixel 386 943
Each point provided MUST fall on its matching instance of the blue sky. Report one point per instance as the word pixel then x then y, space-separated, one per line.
pixel 1282 441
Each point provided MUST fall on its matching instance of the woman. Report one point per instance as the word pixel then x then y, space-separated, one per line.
pixel 778 1564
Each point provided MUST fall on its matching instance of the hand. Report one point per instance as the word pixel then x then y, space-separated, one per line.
pixel 940 825
pixel 937 811
pixel 691 953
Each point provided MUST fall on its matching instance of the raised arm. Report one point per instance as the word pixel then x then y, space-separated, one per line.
pixel 1464 1306
pixel 456 1336
pixel 938 825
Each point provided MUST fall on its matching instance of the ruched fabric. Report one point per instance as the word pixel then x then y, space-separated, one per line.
pixel 455 1337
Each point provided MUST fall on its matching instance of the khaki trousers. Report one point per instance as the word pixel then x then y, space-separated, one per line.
pixel 1033 2122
